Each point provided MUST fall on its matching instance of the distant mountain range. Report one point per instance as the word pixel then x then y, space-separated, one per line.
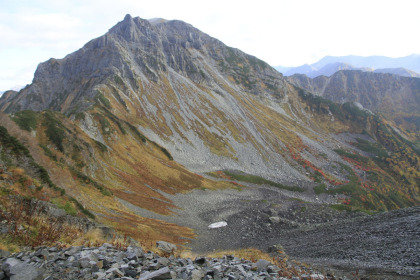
pixel 15 88
pixel 408 66
pixel 395 97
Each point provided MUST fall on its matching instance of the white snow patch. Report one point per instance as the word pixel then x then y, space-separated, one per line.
pixel 218 225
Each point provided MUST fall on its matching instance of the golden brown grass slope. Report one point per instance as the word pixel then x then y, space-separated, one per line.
pixel 98 175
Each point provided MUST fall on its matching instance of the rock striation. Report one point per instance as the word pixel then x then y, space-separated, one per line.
pixel 212 107
pixel 183 89
pixel 395 97
pixel 134 49
pixel 378 92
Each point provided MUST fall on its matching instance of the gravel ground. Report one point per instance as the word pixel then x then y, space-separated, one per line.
pixel 383 244
pixel 386 244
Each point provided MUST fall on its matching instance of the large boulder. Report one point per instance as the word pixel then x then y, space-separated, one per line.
pixel 166 246
pixel 18 270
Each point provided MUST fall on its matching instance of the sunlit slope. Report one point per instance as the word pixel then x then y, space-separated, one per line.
pixel 144 94
pixel 128 168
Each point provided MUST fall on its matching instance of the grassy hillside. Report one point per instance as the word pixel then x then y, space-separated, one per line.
pixel 124 166
pixel 383 173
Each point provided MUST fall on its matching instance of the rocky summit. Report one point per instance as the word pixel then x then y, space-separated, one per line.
pixel 160 132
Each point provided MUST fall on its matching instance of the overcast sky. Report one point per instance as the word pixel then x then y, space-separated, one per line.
pixel 280 32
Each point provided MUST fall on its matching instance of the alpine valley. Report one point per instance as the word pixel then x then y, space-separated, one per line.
pixel 156 130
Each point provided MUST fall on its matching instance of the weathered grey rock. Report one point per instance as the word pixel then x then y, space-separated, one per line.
pixel 107 232
pixel 133 253
pixel 115 272
pixel 99 275
pixel 197 274
pixel 317 277
pixel 273 269
pixel 166 246
pixel 25 271
pixel 154 266
pixel 262 265
pixel 162 273
pixel 84 262
pixel 130 272
pixel 163 261
pixel 42 253
pixel 113 264
pixel 52 249
pixel 72 250
pixel 9 264
pixel 274 220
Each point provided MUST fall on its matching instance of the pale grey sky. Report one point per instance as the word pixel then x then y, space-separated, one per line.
pixel 282 32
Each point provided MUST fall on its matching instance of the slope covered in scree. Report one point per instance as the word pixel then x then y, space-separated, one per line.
pixel 128 118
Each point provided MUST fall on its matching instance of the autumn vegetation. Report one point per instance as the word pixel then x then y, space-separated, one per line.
pixel 73 187
pixel 383 174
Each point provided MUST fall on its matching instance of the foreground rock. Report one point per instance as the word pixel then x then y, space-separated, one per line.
pixel 108 262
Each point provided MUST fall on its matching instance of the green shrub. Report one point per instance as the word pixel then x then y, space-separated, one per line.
pixel 116 120
pixel 26 120
pixel 45 178
pixel 68 207
pixel 137 133
pixel 102 99
pixel 54 130
pixel 48 152
pixel 12 143
pixel 354 110
pixel 166 152
pixel 80 116
pixel 105 125
pixel 101 146
pixel 373 148
pixel 83 209
pixel 118 80
pixel 89 180
pixel 320 189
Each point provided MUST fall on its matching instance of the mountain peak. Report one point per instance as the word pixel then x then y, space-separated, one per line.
pixel 130 28
pixel 137 49
pixel 128 17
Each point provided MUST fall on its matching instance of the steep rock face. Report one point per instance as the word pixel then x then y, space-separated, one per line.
pixel 166 86
pixel 132 49
pixel 185 90
pixel 385 93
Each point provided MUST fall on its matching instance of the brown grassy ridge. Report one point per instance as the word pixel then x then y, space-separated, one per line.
pixel 125 169
pixel 27 227
pixel 127 178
